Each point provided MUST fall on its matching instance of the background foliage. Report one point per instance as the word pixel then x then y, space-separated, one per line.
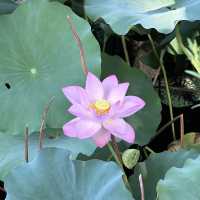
pixel 153 45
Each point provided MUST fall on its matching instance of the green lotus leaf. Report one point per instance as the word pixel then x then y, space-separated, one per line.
pixel 52 175
pixel 162 15
pixel 12 148
pixel 38 57
pixel 145 125
pixel 155 168
pixel 181 183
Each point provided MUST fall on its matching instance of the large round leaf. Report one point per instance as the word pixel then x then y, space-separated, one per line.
pixel 38 57
pixel 181 183
pixel 54 176
pixel 12 149
pixel 155 168
pixel 147 120
pixel 159 14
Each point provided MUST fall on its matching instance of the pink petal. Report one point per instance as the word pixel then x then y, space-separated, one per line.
pixel 109 83
pixel 94 87
pixel 120 129
pixel 81 128
pixel 129 106
pixel 80 111
pixel 102 138
pixel 118 93
pixel 76 94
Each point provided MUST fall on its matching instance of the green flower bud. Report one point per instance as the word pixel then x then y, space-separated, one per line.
pixel 130 157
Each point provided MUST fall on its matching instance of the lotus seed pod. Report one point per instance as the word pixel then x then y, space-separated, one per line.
pixel 130 157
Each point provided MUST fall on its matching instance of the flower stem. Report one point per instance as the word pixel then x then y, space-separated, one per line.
pixel 114 155
pixel 116 149
pixel 160 60
pixel 120 163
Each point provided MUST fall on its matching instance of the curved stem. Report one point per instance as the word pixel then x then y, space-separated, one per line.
pixel 167 124
pixel 42 126
pixel 160 59
pixel 79 44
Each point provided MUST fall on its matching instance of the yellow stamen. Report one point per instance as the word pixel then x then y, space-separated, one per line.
pixel 101 107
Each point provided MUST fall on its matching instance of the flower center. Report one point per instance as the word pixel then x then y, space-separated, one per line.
pixel 101 107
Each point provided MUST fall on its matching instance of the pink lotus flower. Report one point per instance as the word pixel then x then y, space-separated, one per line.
pixel 100 109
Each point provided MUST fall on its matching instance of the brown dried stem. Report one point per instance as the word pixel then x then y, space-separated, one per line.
pixel 156 76
pixel 79 44
pixel 42 127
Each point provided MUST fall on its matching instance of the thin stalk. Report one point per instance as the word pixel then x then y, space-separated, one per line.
pixel 160 59
pixel 146 153
pixel 116 148
pixel 150 150
pixel 125 49
pixel 195 106
pixel 42 126
pixel 157 197
pixel 156 76
pixel 182 130
pixel 114 154
pixel 167 124
pixel 26 145
pixel 141 187
pixel 79 44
